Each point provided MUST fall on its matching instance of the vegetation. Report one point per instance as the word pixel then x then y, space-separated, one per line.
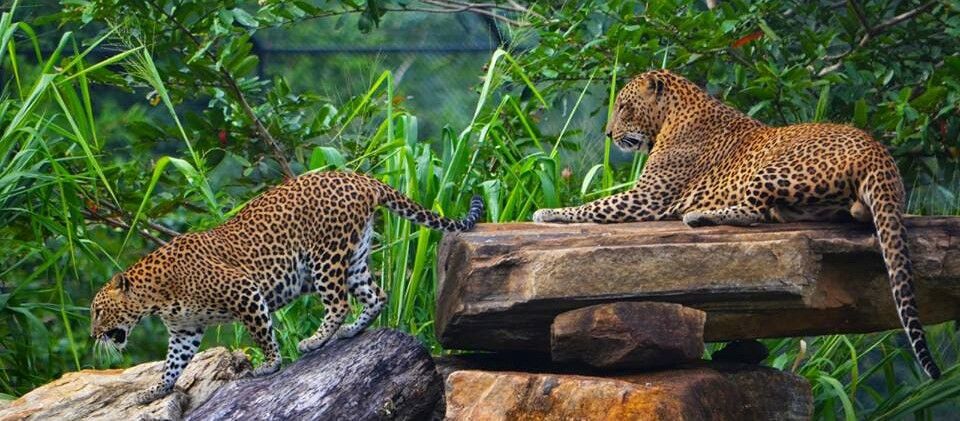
pixel 150 115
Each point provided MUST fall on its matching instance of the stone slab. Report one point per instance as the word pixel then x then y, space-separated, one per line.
pixel 501 285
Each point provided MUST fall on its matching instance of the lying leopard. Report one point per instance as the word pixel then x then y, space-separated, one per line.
pixel 310 235
pixel 710 164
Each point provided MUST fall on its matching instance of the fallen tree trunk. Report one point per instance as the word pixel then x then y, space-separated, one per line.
pixel 501 286
pixel 382 374
pixel 109 394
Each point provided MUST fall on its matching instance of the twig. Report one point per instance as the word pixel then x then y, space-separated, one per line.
pixel 462 6
pixel 232 84
pixel 119 223
pixel 904 16
pixel 155 226
pixel 871 31
pixel 444 8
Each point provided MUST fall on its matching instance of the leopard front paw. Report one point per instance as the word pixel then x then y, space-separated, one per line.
pixel 348 332
pixel 698 219
pixel 267 368
pixel 147 396
pixel 310 344
pixel 546 215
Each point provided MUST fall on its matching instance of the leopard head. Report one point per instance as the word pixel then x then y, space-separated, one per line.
pixel 639 111
pixel 113 313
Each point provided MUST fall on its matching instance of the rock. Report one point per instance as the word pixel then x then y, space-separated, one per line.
pixel 694 393
pixel 501 286
pixel 638 335
pixel 382 374
pixel 769 393
pixel 747 351
pixel 109 394
pixel 504 361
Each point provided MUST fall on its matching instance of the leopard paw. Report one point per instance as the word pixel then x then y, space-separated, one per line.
pixel 147 396
pixel 267 368
pixel 348 332
pixel 546 215
pixel 698 219
pixel 311 344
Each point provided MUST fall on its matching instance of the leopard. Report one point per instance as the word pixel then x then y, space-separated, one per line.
pixel 310 235
pixel 710 164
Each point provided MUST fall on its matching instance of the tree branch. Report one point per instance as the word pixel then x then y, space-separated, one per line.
pixel 155 226
pixel 262 131
pixel 440 6
pixel 453 6
pixel 119 223
pixel 903 17
pixel 871 31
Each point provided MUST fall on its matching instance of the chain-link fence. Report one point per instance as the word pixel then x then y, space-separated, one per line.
pixel 436 60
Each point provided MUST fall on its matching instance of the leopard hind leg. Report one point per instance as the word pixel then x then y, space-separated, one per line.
pixel 779 193
pixel 360 285
pixel 328 278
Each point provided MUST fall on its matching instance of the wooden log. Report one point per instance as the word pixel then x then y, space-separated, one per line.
pixel 500 286
pixel 381 374
pixel 111 394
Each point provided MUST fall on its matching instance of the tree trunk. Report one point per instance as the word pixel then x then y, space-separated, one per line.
pixel 382 374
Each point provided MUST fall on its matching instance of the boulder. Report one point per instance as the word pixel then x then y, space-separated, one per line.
pixel 501 286
pixel 694 393
pixel 378 375
pixel 109 394
pixel 769 393
pixel 620 335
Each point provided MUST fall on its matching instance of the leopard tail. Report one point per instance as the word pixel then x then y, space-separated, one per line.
pixel 883 193
pixel 414 212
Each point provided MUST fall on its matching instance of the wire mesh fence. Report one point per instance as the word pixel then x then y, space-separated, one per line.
pixel 436 60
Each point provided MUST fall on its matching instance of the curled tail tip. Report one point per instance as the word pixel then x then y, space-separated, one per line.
pixel 476 205
pixel 473 215
pixel 932 370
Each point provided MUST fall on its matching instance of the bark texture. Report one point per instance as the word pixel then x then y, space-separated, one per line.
pixel 378 375
pixel 109 394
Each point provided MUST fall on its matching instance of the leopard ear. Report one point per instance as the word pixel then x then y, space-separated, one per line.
pixel 123 283
pixel 656 86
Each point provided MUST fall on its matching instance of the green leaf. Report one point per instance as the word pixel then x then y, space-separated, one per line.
pixel 326 157
pixel 860 113
pixel 929 99
pixel 849 414
pixel 767 30
pixel 245 18
pixel 821 110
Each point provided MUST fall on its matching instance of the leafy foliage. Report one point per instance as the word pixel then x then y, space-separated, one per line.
pixel 890 68
pixel 171 130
